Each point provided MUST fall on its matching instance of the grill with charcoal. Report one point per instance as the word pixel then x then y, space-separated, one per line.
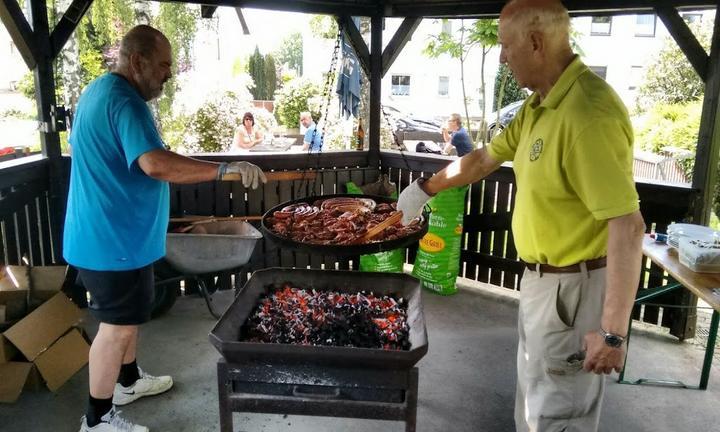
pixel 316 314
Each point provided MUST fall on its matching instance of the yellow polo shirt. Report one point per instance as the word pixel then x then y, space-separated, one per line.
pixel 572 156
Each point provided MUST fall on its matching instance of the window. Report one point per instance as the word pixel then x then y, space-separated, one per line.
pixel 446 26
pixel 636 73
pixel 692 18
pixel 443 86
pixel 645 25
pixel 601 26
pixel 400 85
pixel 600 71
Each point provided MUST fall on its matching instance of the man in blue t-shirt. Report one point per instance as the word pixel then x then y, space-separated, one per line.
pixel 313 138
pixel 117 216
pixel 455 135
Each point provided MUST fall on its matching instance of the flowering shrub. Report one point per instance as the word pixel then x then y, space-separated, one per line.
pixel 293 98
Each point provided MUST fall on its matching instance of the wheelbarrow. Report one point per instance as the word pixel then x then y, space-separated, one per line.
pixel 210 248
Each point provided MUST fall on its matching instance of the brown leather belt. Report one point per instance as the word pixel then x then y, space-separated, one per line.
pixel 593 264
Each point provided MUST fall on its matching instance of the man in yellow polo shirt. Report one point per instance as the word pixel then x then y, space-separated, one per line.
pixel 576 222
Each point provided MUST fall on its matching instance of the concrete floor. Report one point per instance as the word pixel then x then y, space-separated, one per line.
pixel 467 379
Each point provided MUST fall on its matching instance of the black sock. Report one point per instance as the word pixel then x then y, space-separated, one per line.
pixel 128 374
pixel 96 409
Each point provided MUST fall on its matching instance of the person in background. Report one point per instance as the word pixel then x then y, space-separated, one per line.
pixel 456 136
pixel 246 136
pixel 313 138
pixel 117 217
pixel 576 224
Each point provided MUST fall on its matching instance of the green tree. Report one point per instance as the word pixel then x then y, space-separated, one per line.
pixel 256 69
pixel 323 27
pixel 292 99
pixel 482 33
pixel 511 91
pixel 291 52
pixel 270 77
pixel 670 78
pixel 177 21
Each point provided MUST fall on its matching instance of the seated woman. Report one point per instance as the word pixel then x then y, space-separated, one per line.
pixel 245 135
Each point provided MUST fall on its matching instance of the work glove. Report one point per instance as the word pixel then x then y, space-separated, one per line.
pixel 250 175
pixel 411 201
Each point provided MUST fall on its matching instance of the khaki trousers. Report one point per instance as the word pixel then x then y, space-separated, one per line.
pixel 556 311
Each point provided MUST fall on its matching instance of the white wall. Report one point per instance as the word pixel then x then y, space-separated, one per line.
pixel 13 67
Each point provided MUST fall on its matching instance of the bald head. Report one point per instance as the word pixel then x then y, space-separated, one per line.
pixel 548 17
pixel 143 40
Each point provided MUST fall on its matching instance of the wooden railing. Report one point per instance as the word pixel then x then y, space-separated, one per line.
pixel 488 253
pixel 25 223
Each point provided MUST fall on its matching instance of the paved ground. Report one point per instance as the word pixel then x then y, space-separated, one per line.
pixel 467 379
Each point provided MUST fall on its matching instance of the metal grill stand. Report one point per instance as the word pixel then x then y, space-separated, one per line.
pixel 259 387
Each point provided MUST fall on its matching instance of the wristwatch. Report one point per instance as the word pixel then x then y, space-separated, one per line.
pixel 612 340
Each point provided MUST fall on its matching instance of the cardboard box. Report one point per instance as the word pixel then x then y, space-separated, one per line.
pixel 7 350
pixel 46 281
pixel 14 292
pixel 43 326
pixel 13 376
pixel 63 359
pixel 54 349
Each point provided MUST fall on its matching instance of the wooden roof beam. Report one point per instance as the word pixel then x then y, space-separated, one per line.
pixel 358 43
pixel 20 31
pixel 685 39
pixel 243 24
pixel 67 25
pixel 207 11
pixel 398 41
pixel 491 8
pixel 356 8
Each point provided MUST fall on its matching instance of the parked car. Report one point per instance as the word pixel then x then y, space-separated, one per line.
pixel 408 122
pixel 507 113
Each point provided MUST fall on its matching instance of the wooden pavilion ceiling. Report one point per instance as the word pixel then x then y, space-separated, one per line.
pixel 445 8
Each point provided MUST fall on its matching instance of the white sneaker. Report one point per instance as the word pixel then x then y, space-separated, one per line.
pixel 147 385
pixel 112 422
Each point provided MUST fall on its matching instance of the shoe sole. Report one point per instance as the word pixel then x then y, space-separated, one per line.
pixel 133 398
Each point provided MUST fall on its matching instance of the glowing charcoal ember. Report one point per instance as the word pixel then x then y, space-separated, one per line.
pixel 292 315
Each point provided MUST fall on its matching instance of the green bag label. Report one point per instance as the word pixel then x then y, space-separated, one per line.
pixel 438 258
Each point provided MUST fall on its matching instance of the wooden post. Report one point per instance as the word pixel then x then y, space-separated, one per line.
pixel 706 155
pixel 375 89
pixel 49 137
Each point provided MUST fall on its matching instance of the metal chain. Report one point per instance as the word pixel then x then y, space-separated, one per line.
pixel 327 95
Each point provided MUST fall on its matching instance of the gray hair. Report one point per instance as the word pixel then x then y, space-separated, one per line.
pixel 141 39
pixel 306 114
pixel 550 18
pixel 456 118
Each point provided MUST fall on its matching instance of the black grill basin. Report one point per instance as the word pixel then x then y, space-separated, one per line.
pixel 225 336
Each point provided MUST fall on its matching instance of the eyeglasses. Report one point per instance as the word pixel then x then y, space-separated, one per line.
pixel 247 118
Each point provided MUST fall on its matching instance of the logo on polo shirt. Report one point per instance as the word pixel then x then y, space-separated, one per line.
pixel 536 150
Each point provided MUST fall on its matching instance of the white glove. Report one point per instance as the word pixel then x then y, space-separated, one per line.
pixel 411 202
pixel 251 175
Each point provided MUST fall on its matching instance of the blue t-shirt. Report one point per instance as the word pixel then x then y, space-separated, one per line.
pixel 462 142
pixel 117 215
pixel 316 143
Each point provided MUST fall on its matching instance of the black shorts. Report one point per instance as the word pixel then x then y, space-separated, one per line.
pixel 120 297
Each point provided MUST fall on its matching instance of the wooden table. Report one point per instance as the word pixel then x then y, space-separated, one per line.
pixel 704 285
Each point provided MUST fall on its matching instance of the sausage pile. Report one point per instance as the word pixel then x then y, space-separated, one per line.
pixel 337 221
pixel 292 315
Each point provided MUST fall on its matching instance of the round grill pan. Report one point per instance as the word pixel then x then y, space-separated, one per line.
pixel 341 250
